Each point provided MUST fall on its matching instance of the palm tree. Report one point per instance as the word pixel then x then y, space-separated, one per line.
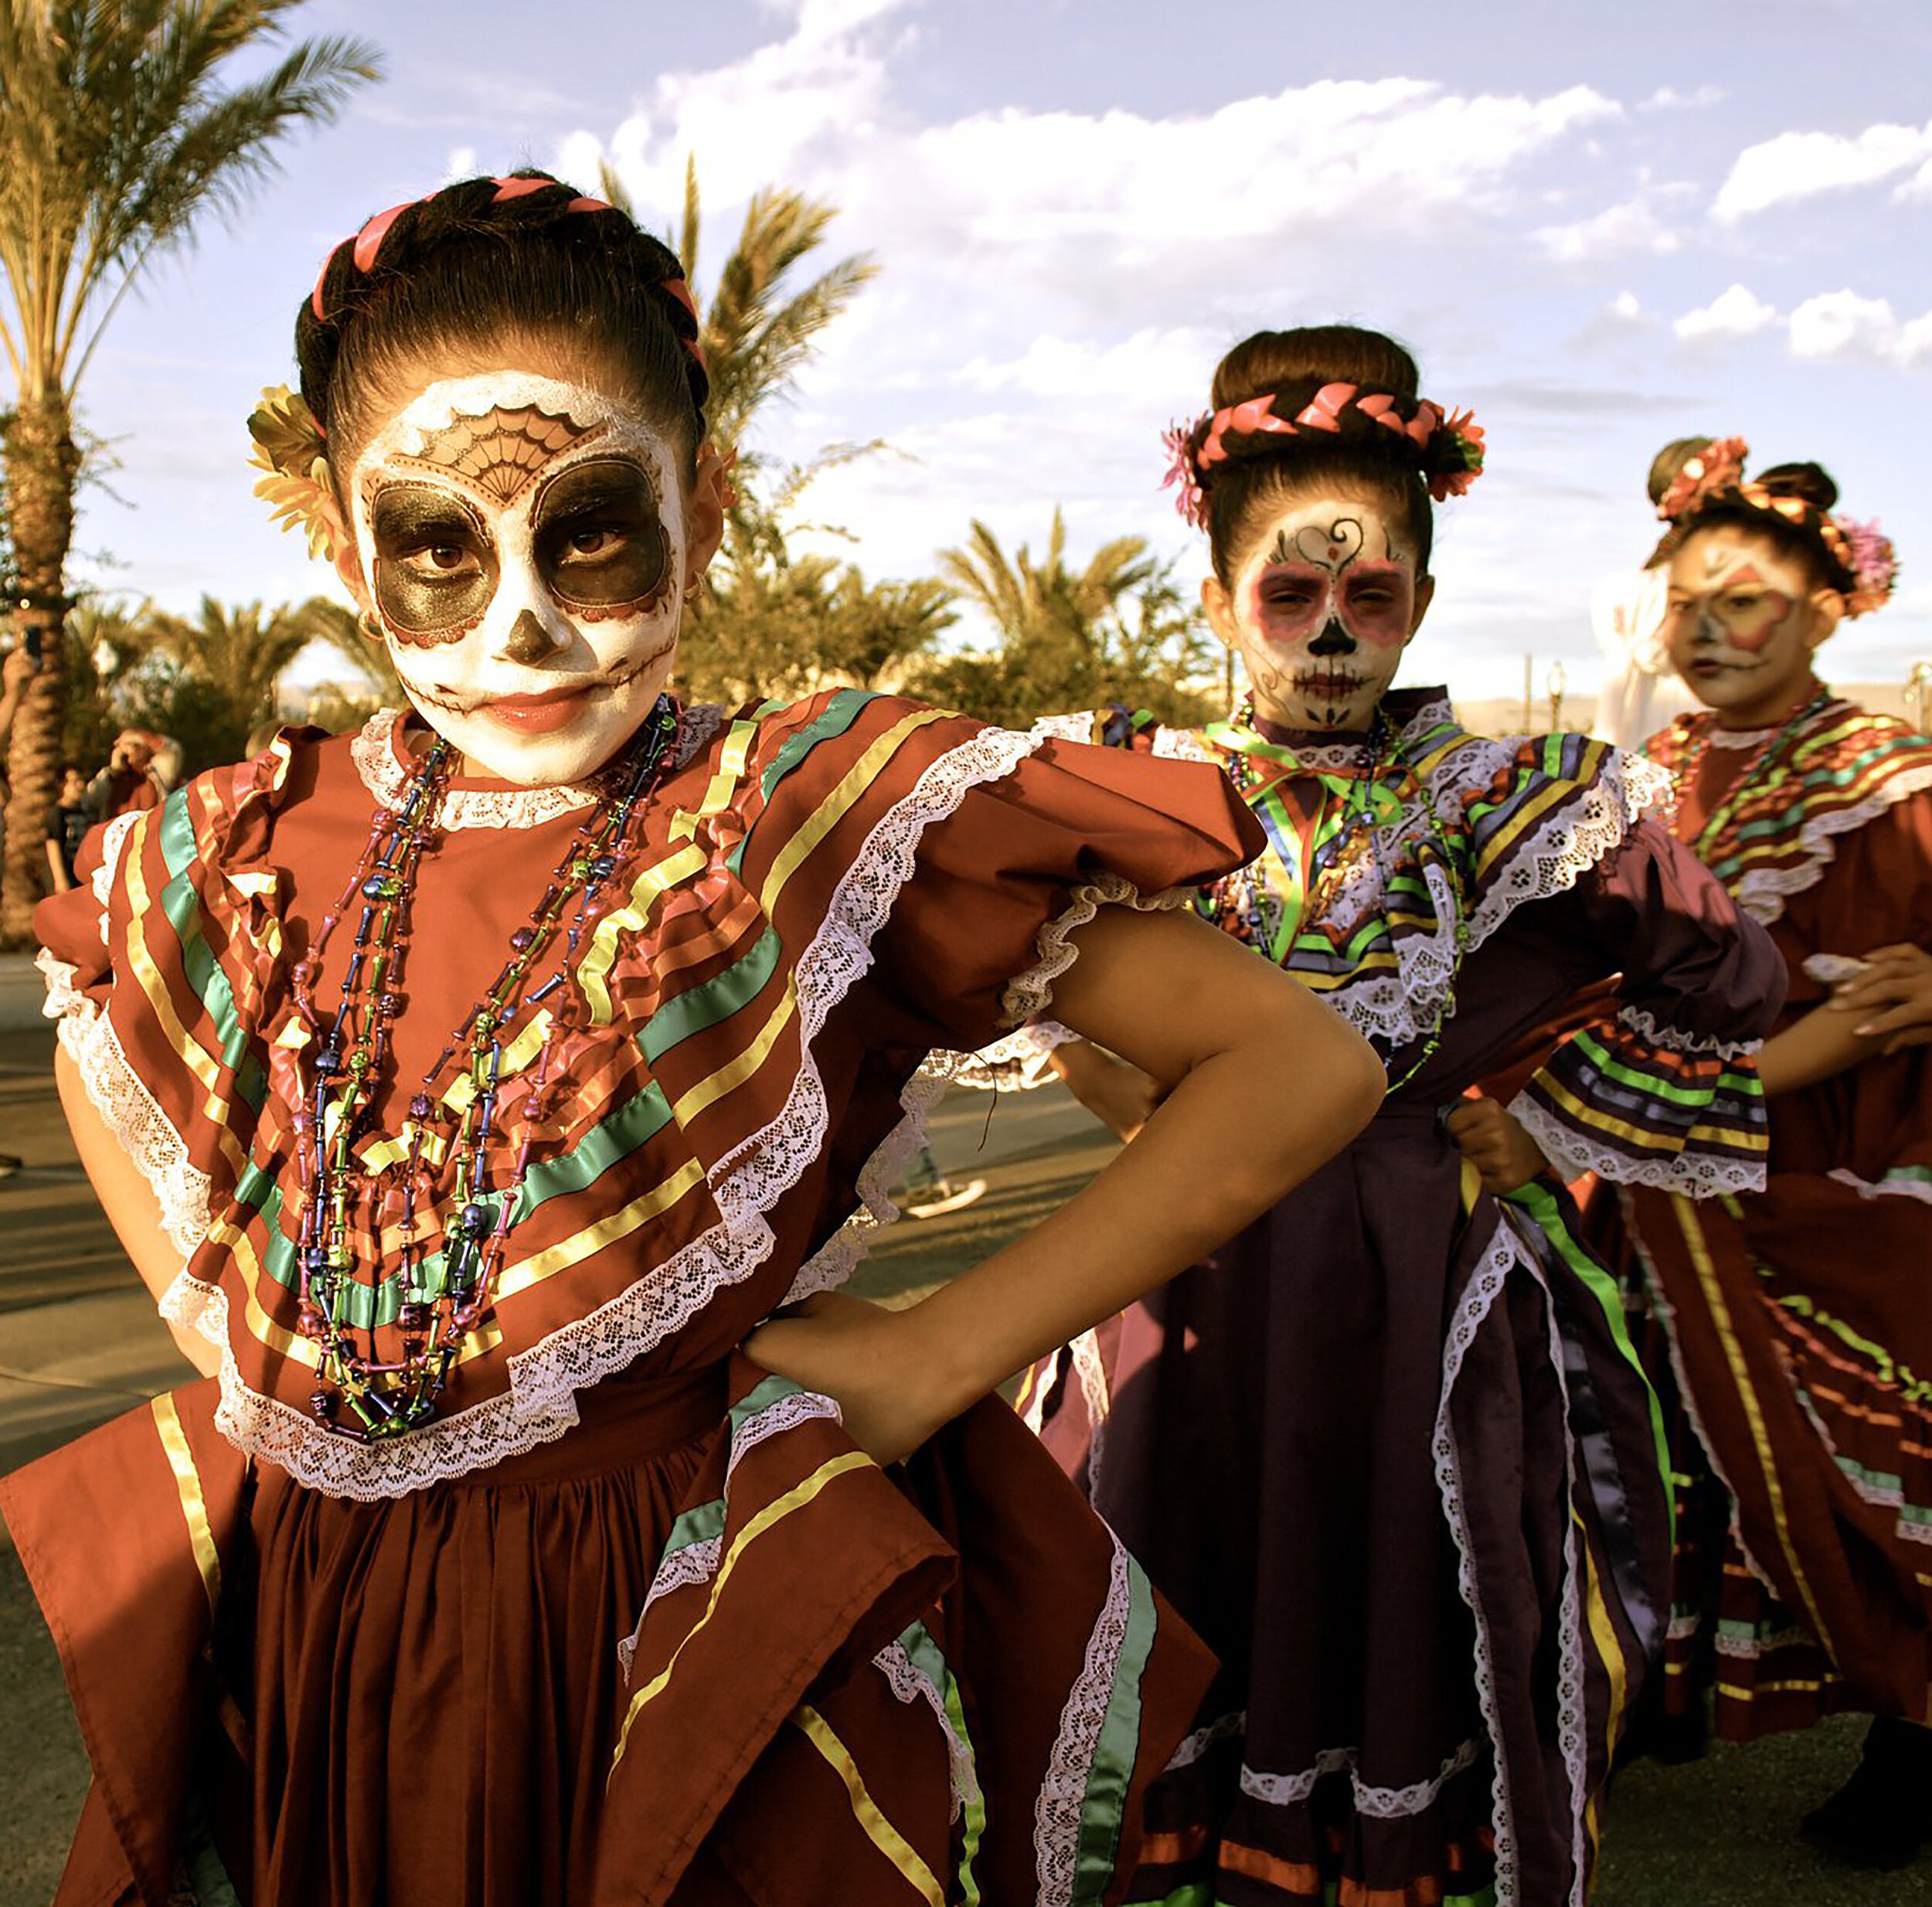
pixel 338 626
pixel 1030 603
pixel 756 328
pixel 1115 629
pixel 237 654
pixel 115 136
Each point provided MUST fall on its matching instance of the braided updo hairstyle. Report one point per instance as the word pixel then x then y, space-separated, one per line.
pixel 1805 537
pixel 1291 366
pixel 488 262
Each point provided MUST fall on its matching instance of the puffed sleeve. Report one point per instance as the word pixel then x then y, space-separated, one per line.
pixel 980 933
pixel 1664 1092
pixel 154 966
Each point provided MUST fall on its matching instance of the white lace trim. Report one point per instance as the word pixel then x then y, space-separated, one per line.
pixel 113 844
pixel 910 1684
pixel 1883 1188
pixel 1032 992
pixel 540 1405
pixel 1017 1061
pixel 1091 1368
pixel 1698 1174
pixel 1762 891
pixel 1739 738
pixel 986 1070
pixel 1484 1287
pixel 1675 1040
pixel 183 1193
pixel 698 1563
pixel 376 753
pixel 1573 1710
pixel 1056 1812
pixel 1223 1728
pixel 1403 1006
pixel 835 1261
pixel 1754 1648
pixel 1382 1804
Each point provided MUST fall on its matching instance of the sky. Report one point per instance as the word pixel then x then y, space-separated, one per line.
pixel 1602 228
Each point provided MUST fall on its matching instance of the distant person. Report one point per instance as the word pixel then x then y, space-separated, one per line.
pixel 1797 1313
pixel 67 827
pixel 128 784
pixel 1640 691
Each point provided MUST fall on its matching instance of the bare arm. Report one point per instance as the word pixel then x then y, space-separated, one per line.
pixel 131 1206
pixel 1824 1042
pixel 1266 1085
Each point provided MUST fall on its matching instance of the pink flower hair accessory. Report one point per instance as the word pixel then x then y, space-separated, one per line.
pixel 1874 564
pixel 1183 476
pixel 1456 460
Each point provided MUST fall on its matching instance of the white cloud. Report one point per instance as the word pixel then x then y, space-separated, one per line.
pixel 1614 232
pixel 1847 325
pixel 1668 98
pixel 1796 165
pixel 1737 313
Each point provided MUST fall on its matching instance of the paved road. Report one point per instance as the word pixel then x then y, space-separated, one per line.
pixel 79 1342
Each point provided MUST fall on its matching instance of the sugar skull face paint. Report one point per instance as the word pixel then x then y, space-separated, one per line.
pixel 1321 611
pixel 1741 621
pixel 522 541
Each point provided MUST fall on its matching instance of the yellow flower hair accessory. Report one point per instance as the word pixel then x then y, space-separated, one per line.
pixel 291 448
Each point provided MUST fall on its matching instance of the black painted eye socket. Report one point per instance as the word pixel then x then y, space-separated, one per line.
pixel 436 568
pixel 600 533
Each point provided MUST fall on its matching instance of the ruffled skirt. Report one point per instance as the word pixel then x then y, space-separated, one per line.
pixel 701 1650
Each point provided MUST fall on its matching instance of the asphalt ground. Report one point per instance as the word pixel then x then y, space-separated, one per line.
pixel 80 1343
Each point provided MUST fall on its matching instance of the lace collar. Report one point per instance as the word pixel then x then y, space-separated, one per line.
pixel 381 760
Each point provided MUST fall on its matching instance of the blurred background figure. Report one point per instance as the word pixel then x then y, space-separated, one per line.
pixel 1640 691
pixel 67 827
pixel 135 777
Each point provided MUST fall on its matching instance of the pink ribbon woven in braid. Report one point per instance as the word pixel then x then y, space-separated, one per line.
pixel 1450 448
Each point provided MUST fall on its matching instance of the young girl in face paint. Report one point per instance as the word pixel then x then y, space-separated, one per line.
pixel 470 1089
pixel 1796 1314
pixel 1387 1447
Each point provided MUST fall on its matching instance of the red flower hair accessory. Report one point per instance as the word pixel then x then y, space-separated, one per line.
pixel 1719 466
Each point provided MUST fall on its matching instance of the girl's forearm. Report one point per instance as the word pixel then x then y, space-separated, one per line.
pixel 1237 1131
pixel 1817 1047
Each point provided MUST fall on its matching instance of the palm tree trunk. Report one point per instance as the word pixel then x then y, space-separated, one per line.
pixel 41 466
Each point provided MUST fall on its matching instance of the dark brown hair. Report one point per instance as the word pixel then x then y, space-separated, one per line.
pixel 1290 366
pixel 1810 485
pixel 486 260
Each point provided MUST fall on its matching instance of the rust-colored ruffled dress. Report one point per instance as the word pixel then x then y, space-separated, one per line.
pixel 1800 1317
pixel 631 1621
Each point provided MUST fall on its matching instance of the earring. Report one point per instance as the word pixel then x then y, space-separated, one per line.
pixel 368 628
pixel 693 589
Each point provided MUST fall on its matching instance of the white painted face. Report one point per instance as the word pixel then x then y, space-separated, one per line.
pixel 522 540
pixel 1321 609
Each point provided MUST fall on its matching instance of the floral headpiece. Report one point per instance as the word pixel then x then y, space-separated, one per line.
pixel 1716 476
pixel 1449 450
pixel 290 446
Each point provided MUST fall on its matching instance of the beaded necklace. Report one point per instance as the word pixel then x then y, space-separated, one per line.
pixel 1382 746
pixel 1760 763
pixel 435 1307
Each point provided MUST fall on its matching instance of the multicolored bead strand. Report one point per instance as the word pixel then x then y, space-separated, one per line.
pixel 436 1309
